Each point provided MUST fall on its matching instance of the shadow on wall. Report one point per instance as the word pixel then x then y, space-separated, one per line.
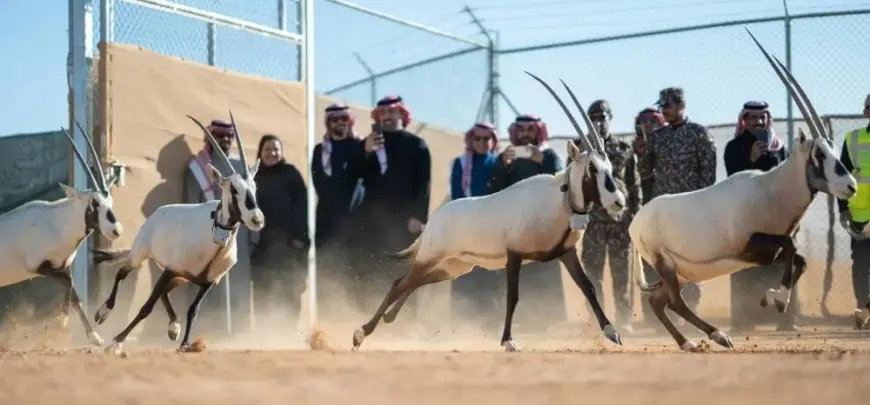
pixel 170 165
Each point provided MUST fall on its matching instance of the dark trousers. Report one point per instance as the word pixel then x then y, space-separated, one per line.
pixel 541 298
pixel 603 240
pixel 748 287
pixel 477 299
pixel 861 271
pixel 278 278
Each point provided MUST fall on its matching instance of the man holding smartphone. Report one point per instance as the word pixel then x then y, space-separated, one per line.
pixel 396 171
pixel 756 146
pixel 528 155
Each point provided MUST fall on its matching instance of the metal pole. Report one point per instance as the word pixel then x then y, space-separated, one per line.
pixel 490 63
pixel 308 67
pixel 282 15
pixel 373 80
pixel 300 50
pixel 107 21
pixel 789 108
pixel 212 44
pixel 496 88
pixel 81 29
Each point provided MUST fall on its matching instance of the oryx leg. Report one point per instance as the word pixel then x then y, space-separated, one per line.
pixel 762 248
pixel 192 313
pixel 174 326
pixel 391 315
pixel 420 275
pixel 107 307
pixel 575 269
pixel 71 297
pixel 158 290
pixel 512 277
pixel 677 304
pixel 661 297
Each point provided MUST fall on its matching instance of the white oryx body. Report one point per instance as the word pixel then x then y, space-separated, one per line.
pixel 701 232
pixel 179 237
pixel 749 219
pixel 38 232
pixel 528 221
pixel 193 243
pixel 528 216
pixel 41 238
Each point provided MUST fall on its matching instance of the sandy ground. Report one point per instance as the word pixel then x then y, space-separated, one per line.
pixel 764 368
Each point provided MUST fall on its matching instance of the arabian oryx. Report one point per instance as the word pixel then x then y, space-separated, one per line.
pixel 746 220
pixel 528 221
pixel 41 238
pixel 192 243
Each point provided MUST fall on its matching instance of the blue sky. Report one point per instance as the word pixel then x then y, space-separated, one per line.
pixel 720 69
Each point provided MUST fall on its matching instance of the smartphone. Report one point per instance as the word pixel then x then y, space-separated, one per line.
pixel 522 152
pixel 763 136
pixel 376 127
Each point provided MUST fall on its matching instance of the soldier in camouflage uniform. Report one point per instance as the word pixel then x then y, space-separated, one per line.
pixel 681 157
pixel 605 237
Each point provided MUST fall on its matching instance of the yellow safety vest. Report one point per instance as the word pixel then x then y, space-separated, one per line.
pixel 858 147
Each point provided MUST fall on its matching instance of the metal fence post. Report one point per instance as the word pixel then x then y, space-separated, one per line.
pixel 80 50
pixel 212 44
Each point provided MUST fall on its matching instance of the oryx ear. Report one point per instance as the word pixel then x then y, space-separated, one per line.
pixel 71 192
pixel 573 151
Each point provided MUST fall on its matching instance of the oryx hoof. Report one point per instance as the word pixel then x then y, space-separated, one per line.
pixel 862 319
pixel 689 346
pixel 778 298
pixel 611 333
pixel 174 330
pixel 115 348
pixel 95 339
pixel 188 348
pixel 358 337
pixel 510 346
pixel 102 314
pixel 722 339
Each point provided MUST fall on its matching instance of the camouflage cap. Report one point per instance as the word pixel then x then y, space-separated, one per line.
pixel 670 95
pixel 599 107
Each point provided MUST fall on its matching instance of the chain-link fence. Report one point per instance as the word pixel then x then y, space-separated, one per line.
pixel 445 88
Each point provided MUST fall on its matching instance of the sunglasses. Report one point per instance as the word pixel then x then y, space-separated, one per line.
pixel 337 119
pixel 480 138
pixel 223 135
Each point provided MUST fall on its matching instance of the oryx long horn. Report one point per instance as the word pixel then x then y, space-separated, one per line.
pixel 102 175
pixel 583 138
pixel 214 145
pixel 81 158
pixel 594 132
pixel 811 124
pixel 807 102
pixel 242 155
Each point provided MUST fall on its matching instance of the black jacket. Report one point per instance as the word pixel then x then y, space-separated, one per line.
pixel 504 176
pixel 334 192
pixel 282 197
pixel 394 197
pixel 736 155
